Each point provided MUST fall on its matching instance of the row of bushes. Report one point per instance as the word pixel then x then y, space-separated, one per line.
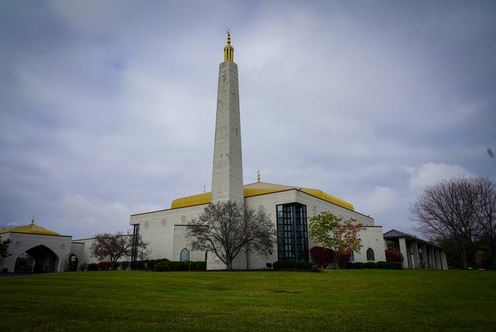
pixel 105 266
pixel 372 265
pixel 148 264
pixel 166 266
pixel 303 265
pixel 292 265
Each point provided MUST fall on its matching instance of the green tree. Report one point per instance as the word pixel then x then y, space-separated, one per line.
pixel 333 233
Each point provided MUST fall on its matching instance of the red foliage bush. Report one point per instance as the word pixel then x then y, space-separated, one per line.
pixel 344 258
pixel 394 256
pixel 321 256
pixel 104 266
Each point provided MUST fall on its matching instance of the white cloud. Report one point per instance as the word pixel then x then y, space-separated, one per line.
pixel 78 215
pixel 431 173
pixel 377 201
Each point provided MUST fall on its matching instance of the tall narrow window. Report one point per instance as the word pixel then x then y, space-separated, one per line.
pixel 370 254
pixel 134 247
pixel 184 255
pixel 292 234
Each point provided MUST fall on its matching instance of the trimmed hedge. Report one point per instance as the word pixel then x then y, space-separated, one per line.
pixel 198 266
pixel 292 265
pixel 372 265
pixel 382 265
pixel 146 264
pixel 161 267
pixel 395 265
pixel 93 267
pixel 165 266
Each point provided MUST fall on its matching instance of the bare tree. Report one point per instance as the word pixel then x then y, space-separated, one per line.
pixel 225 230
pixel 4 247
pixel 115 246
pixel 460 212
pixel 486 213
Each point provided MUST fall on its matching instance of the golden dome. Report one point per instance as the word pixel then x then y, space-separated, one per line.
pixel 261 188
pixel 32 228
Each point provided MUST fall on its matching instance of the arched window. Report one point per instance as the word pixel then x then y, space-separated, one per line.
pixel 184 256
pixel 370 254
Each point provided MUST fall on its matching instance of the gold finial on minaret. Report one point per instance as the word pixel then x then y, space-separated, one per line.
pixel 229 50
pixel 258 176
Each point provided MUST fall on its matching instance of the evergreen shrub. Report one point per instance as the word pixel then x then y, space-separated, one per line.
pixel 382 265
pixel 370 265
pixel 358 265
pixel 93 267
pixel 292 265
pixel 395 265
pixel 198 266
pixel 161 267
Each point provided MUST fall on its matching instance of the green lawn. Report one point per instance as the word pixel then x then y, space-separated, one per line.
pixel 372 300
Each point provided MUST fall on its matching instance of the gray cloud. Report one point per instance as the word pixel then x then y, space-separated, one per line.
pixel 108 109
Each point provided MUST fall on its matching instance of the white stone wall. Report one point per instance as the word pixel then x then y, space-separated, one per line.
pixel 371 237
pixel 157 229
pixel 182 241
pixel 20 243
pixel 165 232
pixel 82 249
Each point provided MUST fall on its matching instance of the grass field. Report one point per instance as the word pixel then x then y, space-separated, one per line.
pixel 371 300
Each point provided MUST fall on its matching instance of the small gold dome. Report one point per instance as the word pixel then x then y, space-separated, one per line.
pixel 32 228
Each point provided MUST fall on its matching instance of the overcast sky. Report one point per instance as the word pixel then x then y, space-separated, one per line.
pixel 107 108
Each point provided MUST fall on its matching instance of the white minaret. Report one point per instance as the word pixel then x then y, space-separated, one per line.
pixel 227 177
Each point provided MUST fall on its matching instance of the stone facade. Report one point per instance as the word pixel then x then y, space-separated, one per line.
pixel 227 174
pixel 51 252
pixel 166 232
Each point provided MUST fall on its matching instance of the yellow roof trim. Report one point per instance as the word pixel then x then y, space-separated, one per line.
pixel 30 229
pixel 328 197
pixel 261 188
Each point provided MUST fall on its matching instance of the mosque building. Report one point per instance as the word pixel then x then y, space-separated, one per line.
pixel 289 207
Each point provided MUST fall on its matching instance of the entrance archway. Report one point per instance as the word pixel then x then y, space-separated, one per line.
pixel 45 260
